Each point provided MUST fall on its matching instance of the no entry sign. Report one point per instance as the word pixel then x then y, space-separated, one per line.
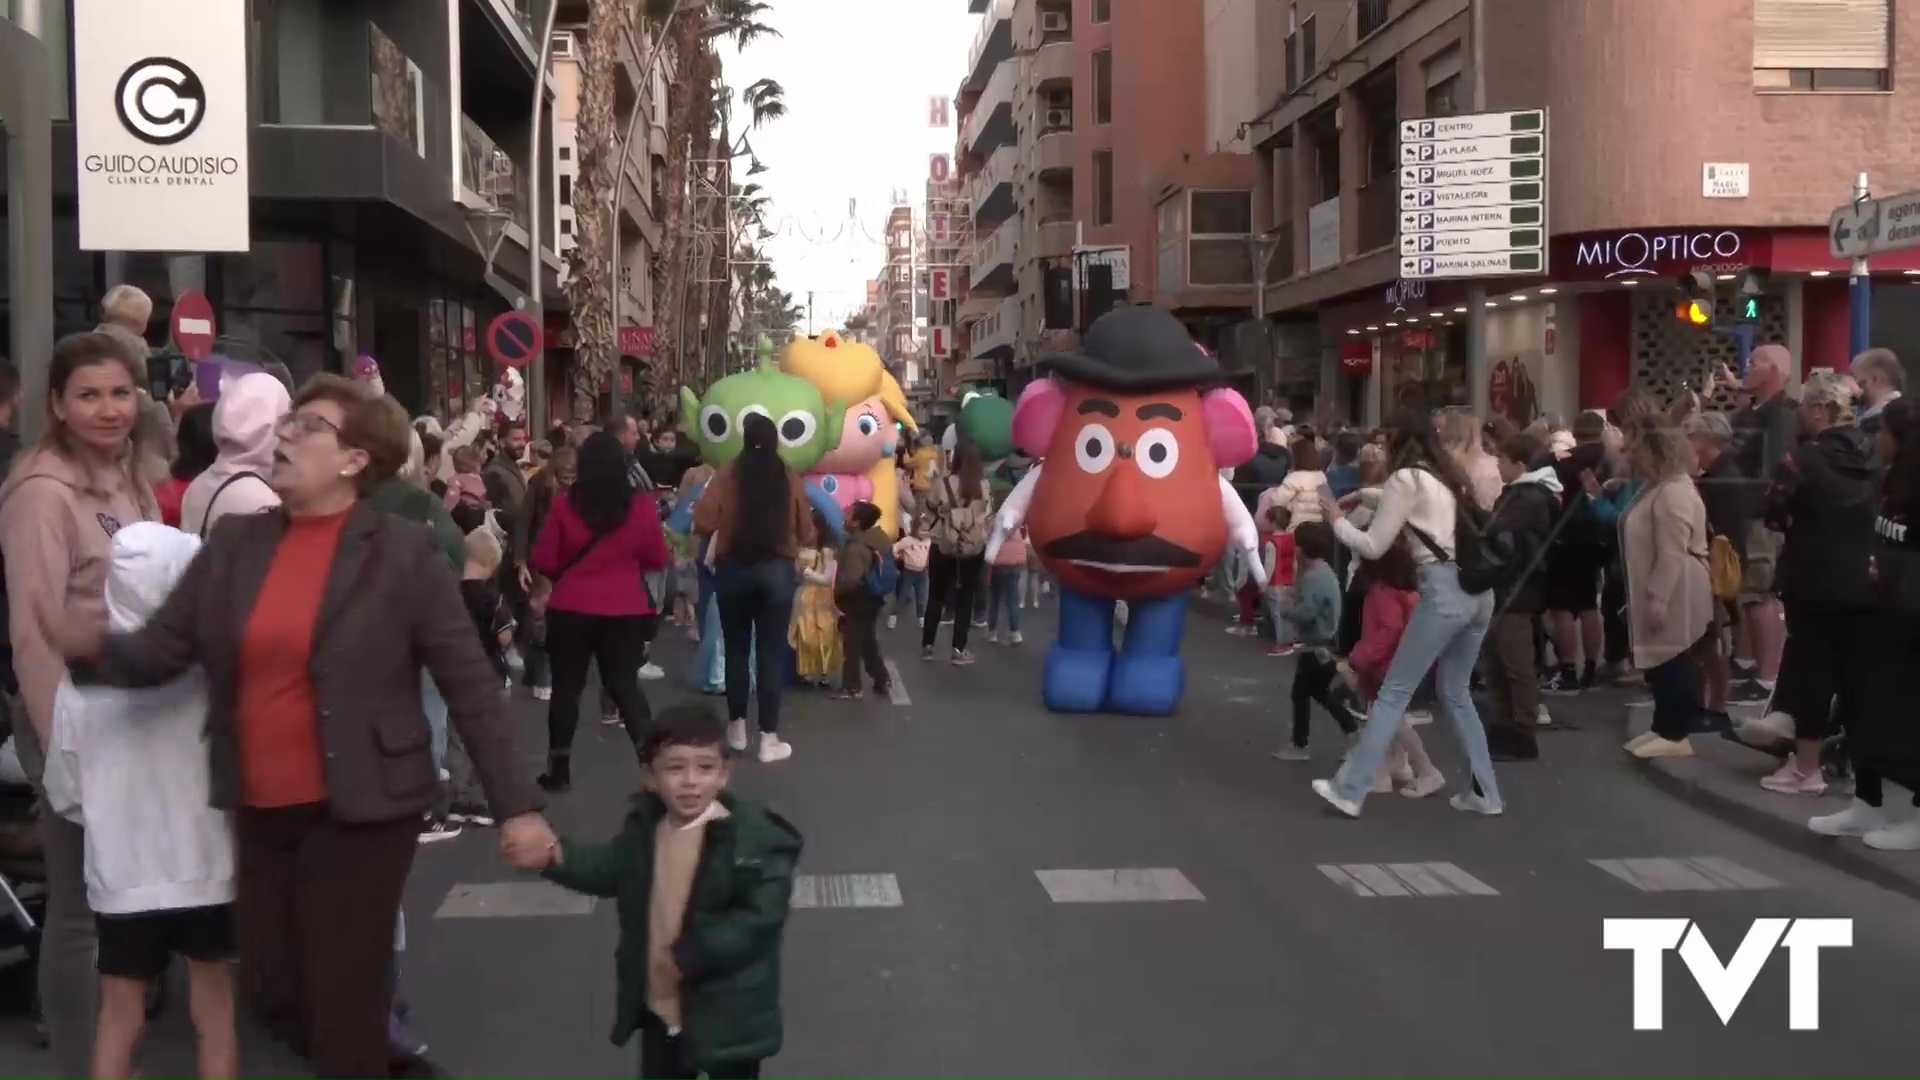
pixel 193 329
pixel 513 339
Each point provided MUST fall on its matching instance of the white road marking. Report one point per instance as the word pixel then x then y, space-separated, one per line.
pixel 1130 886
pixel 1707 873
pixel 896 686
pixel 511 899
pixel 1406 879
pixel 846 891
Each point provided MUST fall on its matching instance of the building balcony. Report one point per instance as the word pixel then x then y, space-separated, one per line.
pixel 1053 64
pixel 990 124
pixel 1053 155
pixel 1055 239
pixel 991 45
pixel 490 175
pixel 991 261
pixel 991 189
pixel 994 336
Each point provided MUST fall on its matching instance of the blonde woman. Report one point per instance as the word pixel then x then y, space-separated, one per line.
pixel 1460 434
pixel 1664 540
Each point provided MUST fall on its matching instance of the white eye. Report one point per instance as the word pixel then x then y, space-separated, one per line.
pixel 868 425
pixel 1157 452
pixel 1094 448
pixel 796 428
pixel 749 411
pixel 714 423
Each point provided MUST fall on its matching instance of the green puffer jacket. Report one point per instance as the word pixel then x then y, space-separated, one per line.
pixel 729 947
pixel 411 502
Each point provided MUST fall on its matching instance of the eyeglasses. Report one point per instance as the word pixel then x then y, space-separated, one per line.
pixel 301 425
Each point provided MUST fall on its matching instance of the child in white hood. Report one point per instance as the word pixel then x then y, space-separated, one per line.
pixel 131 766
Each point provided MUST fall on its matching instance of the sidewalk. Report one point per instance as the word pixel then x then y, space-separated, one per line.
pixel 1722 778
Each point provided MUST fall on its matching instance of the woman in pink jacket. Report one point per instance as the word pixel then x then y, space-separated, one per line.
pixel 246 424
pixel 599 540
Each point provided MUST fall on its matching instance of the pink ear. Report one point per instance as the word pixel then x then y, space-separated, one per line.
pixel 1037 414
pixel 1230 430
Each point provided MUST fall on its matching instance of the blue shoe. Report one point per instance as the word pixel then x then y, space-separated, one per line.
pixel 1143 685
pixel 1075 680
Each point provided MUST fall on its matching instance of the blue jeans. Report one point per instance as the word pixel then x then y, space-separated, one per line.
pixel 1003 594
pixel 435 707
pixel 1446 629
pixel 756 604
pixel 912 583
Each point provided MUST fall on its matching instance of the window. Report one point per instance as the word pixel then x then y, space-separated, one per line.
pixel 566 191
pixel 1310 46
pixel 1443 98
pixel 1170 233
pixel 562 46
pixel 1834 45
pixel 1102 11
pixel 1293 61
pixel 1103 187
pixel 1371 16
pixel 566 153
pixel 566 226
pixel 1103 86
pixel 1218 249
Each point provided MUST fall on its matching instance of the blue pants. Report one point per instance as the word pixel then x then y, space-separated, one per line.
pixel 1145 677
pixel 912 583
pixel 1003 594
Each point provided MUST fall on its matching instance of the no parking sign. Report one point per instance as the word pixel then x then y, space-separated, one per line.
pixel 513 339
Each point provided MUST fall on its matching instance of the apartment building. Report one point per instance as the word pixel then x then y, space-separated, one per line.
pixel 639 86
pixel 988 163
pixel 897 342
pixel 1718 136
pixel 382 133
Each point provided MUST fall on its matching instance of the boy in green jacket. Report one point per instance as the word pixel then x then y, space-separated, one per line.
pixel 701 880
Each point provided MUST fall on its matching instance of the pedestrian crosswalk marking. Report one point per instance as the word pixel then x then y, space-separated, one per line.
pixel 1129 886
pixel 511 899
pixel 846 891
pixel 1706 873
pixel 1406 879
pixel 896 686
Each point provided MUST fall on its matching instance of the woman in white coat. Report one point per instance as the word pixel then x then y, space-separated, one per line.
pixel 1670 606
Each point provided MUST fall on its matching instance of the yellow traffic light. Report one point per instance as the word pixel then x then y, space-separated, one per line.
pixel 1694 313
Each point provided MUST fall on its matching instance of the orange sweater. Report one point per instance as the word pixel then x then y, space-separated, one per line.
pixel 281 763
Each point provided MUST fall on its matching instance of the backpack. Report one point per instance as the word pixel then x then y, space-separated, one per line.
pixel 1485 559
pixel 882 577
pixel 961 529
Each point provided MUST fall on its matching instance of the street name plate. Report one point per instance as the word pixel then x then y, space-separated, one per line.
pixel 1473 195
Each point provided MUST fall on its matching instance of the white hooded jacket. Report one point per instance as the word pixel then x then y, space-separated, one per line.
pixel 131 765
pixel 246 429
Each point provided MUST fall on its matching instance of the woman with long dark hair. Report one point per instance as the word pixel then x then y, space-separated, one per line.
pixel 557 475
pixel 756 512
pixel 962 515
pixel 599 539
pixel 1423 497
pixel 193 453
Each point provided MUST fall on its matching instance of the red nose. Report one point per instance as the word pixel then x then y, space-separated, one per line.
pixel 1124 510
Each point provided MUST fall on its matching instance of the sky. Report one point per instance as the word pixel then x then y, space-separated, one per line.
pixel 858 75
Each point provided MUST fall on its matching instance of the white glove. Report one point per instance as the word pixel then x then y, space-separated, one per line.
pixel 1013 512
pixel 1242 534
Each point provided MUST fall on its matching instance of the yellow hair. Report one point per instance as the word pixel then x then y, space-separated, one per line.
pixel 848 372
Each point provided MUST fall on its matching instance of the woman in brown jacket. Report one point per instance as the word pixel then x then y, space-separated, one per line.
pixel 1670 607
pixel 312 622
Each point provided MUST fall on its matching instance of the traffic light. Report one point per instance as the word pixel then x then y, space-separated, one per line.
pixel 1753 286
pixel 1696 299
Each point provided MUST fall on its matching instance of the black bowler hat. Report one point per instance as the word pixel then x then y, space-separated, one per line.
pixel 1135 349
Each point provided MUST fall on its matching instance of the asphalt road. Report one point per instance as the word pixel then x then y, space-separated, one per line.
pixel 1233 940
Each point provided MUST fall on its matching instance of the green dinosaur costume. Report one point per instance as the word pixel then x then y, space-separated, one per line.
pixel 808 429
pixel 986 421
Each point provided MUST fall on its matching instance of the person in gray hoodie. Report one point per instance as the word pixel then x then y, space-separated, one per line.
pixel 1523 519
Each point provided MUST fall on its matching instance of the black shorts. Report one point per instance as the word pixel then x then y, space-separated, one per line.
pixel 1573 579
pixel 139 946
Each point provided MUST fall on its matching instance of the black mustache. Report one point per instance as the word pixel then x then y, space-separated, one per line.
pixel 1139 551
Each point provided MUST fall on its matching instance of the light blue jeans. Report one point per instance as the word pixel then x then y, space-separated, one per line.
pixel 1446 630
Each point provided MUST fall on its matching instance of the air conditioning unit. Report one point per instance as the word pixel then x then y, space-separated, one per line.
pixel 562 46
pixel 1055 22
pixel 1056 119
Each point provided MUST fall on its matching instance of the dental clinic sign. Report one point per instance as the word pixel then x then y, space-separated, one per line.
pixel 1726 984
pixel 160 125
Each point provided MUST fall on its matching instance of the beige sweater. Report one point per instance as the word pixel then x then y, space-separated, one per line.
pixel 676 856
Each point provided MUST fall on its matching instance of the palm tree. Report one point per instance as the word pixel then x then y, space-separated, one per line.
pixel 767 99
pixel 590 280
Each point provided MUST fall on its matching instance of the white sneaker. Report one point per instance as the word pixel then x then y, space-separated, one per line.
pixel 1015 638
pixel 1768 730
pixel 1468 803
pixel 737 735
pixel 1900 836
pixel 773 748
pixel 1324 789
pixel 543 693
pixel 1424 784
pixel 1543 717
pixel 651 671
pixel 993 637
pixel 893 621
pixel 1292 753
pixel 1858 819
pixel 1419 717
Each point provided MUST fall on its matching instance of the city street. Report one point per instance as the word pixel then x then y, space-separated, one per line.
pixel 1219 927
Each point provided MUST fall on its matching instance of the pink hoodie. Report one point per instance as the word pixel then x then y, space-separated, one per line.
pixel 246 422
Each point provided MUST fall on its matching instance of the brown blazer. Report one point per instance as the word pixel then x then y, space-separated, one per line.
pixel 391 607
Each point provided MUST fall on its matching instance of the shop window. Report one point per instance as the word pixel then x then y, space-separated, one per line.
pixel 282 275
pixel 1839 45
